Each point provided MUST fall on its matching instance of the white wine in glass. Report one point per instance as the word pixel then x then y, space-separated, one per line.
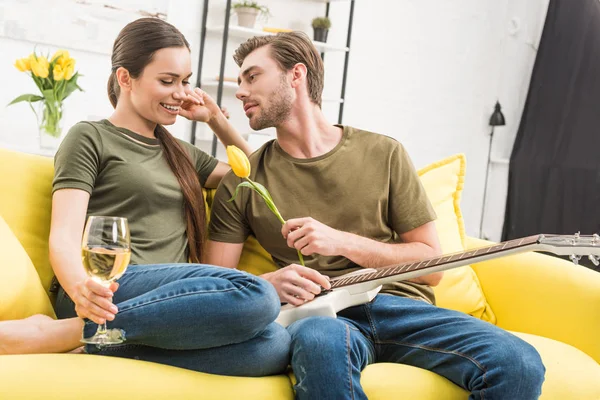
pixel 105 254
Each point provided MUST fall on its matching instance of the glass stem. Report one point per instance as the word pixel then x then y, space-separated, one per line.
pixel 101 329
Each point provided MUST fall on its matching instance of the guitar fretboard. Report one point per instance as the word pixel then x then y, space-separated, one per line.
pixel 430 263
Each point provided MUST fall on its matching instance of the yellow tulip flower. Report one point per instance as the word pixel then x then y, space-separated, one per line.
pixel 241 167
pixel 238 161
pixel 40 66
pixel 56 80
pixel 69 68
pixel 23 65
pixel 58 72
pixel 63 54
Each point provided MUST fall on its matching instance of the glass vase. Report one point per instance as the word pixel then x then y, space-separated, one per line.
pixel 50 124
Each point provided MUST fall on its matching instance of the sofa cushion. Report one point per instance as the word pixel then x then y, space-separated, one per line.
pixel 21 292
pixel 71 376
pixel 26 204
pixel 570 374
pixel 460 288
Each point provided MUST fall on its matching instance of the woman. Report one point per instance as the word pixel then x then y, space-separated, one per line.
pixel 194 316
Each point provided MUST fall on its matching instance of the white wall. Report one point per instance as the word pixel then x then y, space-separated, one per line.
pixel 425 72
pixel 428 73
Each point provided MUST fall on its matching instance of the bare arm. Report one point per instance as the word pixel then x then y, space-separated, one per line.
pixel 68 219
pixel 208 111
pixel 40 334
pixel 226 133
pixel 311 236
pixel 223 254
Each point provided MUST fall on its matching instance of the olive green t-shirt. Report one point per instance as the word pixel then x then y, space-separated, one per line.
pixel 127 175
pixel 366 185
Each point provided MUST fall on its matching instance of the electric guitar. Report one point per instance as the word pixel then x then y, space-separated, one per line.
pixel 362 286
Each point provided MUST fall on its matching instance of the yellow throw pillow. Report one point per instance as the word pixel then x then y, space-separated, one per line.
pixel 21 292
pixel 460 288
pixel 26 204
pixel 255 258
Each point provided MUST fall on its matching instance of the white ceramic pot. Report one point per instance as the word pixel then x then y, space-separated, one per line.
pixel 246 16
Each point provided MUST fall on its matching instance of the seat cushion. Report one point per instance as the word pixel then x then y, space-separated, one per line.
pixel 460 288
pixel 76 376
pixel 21 292
pixel 570 374
pixel 386 381
pixel 25 204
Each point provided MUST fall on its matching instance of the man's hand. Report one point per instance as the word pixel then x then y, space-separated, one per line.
pixel 313 237
pixel 296 284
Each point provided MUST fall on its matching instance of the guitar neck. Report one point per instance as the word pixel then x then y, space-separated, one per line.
pixel 411 270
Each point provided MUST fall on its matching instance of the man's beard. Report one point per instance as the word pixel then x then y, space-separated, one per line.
pixel 278 111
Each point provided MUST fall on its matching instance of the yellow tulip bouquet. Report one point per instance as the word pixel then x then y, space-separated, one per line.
pixel 56 79
pixel 241 168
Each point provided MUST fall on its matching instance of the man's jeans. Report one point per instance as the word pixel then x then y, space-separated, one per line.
pixel 329 354
pixel 199 317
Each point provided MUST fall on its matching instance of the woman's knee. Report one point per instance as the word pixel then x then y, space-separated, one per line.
pixel 265 305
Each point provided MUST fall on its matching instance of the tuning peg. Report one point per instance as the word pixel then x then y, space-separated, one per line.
pixel 595 239
pixel 575 259
pixel 594 259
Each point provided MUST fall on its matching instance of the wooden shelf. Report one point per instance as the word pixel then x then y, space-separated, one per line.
pixel 246 33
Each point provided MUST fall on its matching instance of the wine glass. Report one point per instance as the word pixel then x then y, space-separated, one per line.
pixel 105 252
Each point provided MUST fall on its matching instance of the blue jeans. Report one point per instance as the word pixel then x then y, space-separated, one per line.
pixel 199 317
pixel 329 354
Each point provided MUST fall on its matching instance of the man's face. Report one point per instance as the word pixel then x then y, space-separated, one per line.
pixel 265 90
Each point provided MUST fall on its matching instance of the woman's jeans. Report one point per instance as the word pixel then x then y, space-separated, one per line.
pixel 329 354
pixel 199 317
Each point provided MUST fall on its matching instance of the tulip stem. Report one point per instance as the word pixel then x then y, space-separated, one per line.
pixel 267 198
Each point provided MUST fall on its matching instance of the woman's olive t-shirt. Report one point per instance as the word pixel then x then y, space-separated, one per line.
pixel 127 175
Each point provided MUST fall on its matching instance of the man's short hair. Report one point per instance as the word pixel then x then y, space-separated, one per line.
pixel 289 49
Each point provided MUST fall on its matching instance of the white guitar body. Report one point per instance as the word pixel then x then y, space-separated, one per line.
pixel 330 303
pixel 362 286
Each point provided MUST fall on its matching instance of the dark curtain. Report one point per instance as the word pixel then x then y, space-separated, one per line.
pixel 554 175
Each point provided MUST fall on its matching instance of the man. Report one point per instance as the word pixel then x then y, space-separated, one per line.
pixel 353 200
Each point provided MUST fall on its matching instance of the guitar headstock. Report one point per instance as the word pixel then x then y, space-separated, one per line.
pixel 575 246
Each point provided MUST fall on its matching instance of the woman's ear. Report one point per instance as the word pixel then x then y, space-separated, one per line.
pixel 299 72
pixel 124 79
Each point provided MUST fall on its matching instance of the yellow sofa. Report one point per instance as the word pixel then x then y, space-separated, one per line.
pixel 548 302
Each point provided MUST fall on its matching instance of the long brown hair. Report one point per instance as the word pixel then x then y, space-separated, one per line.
pixel 133 50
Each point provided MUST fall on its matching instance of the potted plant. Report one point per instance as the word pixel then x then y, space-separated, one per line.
pixel 321 26
pixel 56 79
pixel 247 11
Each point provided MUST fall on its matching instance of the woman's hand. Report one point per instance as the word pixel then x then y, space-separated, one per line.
pixel 94 301
pixel 200 107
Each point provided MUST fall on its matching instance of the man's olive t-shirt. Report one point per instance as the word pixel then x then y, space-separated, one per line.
pixel 127 175
pixel 366 185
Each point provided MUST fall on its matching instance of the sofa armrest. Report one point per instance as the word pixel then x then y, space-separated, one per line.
pixel 543 295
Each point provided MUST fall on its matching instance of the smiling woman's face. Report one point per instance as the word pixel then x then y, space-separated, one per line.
pixel 159 91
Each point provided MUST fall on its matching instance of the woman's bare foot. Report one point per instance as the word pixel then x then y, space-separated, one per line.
pixel 40 334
